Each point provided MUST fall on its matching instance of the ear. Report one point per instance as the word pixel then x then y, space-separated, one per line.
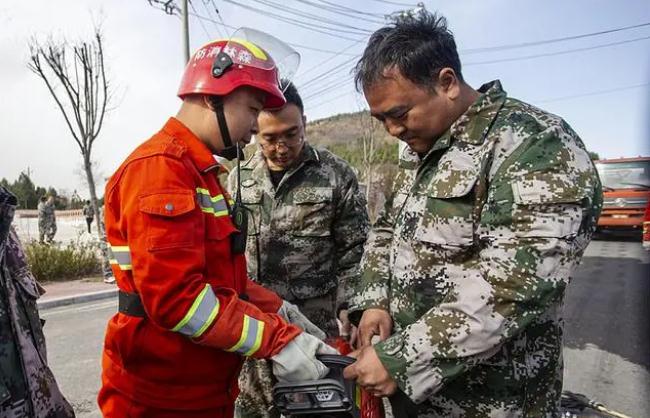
pixel 448 83
pixel 304 123
pixel 206 102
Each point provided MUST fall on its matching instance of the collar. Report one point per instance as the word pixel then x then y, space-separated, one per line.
pixel 473 125
pixel 196 149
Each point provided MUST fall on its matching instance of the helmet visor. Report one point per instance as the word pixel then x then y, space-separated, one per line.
pixel 257 49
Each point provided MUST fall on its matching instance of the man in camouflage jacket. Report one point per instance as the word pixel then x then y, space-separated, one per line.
pixel 27 386
pixel 46 220
pixel 307 225
pixel 464 273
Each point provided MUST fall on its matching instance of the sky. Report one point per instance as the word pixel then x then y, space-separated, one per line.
pixel 600 84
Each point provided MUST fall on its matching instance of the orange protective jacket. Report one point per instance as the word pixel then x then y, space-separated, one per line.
pixel 168 228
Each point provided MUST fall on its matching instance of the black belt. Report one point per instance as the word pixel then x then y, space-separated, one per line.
pixel 130 304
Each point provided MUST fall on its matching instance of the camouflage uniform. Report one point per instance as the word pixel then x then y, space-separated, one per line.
pixel 305 241
pixel 472 256
pixel 46 222
pixel 27 386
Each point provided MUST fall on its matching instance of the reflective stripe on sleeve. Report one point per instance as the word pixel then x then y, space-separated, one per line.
pixel 251 337
pixel 120 256
pixel 215 205
pixel 201 314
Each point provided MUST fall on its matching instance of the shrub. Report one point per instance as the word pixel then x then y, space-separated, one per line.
pixel 54 263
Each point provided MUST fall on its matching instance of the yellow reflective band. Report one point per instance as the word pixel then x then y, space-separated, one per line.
pixel 244 334
pixel 192 310
pixel 120 255
pixel 214 205
pixel 258 340
pixel 211 211
pixel 251 337
pixel 213 314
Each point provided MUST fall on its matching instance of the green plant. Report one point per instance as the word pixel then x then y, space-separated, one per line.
pixel 54 263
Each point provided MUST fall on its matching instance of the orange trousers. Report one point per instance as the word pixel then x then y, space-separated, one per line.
pixel 114 404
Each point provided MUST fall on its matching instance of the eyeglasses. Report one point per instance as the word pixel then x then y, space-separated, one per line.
pixel 286 142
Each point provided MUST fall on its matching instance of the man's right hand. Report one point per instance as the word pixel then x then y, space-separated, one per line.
pixel 374 322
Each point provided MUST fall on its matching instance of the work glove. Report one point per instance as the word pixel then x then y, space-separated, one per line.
pixel 297 361
pixel 292 315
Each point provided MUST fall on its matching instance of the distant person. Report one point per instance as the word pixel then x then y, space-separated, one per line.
pixel 89 214
pixel 46 220
pixel 27 385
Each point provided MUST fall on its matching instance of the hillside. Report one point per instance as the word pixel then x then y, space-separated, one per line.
pixel 343 134
pixel 343 128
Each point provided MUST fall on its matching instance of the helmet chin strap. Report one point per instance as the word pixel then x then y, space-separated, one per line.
pixel 230 151
pixel 238 213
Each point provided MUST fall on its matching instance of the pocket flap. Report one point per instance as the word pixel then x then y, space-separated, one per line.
pixel 251 196
pixel 450 186
pixel 168 203
pixel 543 188
pixel 312 195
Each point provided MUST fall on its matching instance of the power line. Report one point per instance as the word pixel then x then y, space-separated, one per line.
pixel 341 52
pixel 300 13
pixel 396 3
pixel 327 51
pixel 207 9
pixel 549 41
pixel 331 84
pixel 207 34
pixel 349 9
pixel 551 54
pixel 296 22
pixel 329 101
pixel 225 25
pixel 592 93
pixel 352 15
pixel 329 72
pixel 329 87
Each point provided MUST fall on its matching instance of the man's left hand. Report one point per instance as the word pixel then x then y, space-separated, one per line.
pixel 371 374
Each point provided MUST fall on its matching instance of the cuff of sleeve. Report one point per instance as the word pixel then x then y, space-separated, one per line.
pixel 355 312
pixel 391 354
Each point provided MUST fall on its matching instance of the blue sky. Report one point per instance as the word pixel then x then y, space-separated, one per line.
pixel 603 92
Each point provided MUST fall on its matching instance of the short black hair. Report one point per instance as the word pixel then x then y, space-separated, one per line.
pixel 418 45
pixel 292 95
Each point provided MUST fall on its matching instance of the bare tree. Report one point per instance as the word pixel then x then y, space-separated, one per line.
pixel 75 76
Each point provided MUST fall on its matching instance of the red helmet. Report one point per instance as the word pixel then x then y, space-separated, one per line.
pixel 221 66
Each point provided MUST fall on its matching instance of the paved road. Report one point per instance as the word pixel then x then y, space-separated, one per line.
pixel 607 339
pixel 75 337
pixel 607 344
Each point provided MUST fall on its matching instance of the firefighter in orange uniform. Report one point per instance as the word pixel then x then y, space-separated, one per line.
pixel 188 314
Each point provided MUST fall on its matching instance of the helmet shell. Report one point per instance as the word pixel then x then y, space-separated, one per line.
pixel 252 67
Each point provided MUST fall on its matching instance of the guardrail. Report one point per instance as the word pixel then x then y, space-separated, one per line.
pixel 33 213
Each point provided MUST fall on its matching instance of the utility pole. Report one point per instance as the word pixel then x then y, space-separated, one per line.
pixel 171 8
pixel 186 30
